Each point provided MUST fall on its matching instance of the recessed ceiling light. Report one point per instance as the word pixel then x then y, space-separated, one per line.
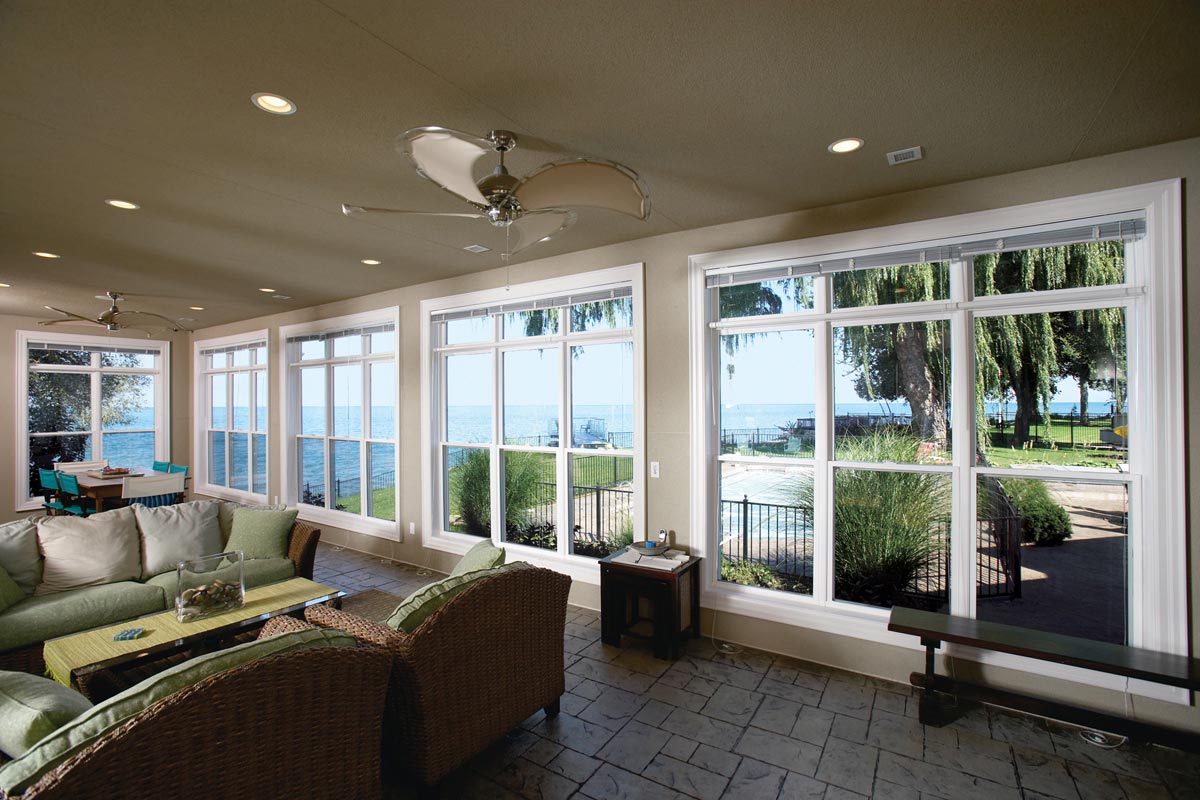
pixel 845 145
pixel 273 103
pixel 196 308
pixel 476 248
pixel 123 204
pixel 44 254
pixel 266 290
pixel 5 285
pixel 282 296
pixel 371 262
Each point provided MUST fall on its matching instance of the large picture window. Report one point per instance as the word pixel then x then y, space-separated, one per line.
pixel 977 424
pixel 88 398
pixel 232 404
pixel 535 402
pixel 341 420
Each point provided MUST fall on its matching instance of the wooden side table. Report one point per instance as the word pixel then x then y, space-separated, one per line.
pixel 673 595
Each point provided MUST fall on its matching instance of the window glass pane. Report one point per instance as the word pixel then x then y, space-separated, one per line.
pixel 531 499
pixel 602 316
pixel 383 400
pixel 127 402
pixel 260 400
pixel 75 357
pixel 382 466
pixel 239 454
pixel 312 401
pixel 891 538
pixel 310 466
pixel 537 322
pixel 384 342
pixel 218 399
pixel 218 361
pixel 59 402
pixel 216 458
pixel 601 504
pixel 1043 268
pixel 766 517
pixel 768 393
pixel 885 286
pixel 258 446
pixel 468 489
pixel 348 345
pixel 602 396
pixel 46 451
pixel 241 401
pixel 347 400
pixel 1054 556
pixel 347 477
pixel 470 329
pixel 784 296
pixel 140 360
pixel 260 355
pixel 129 449
pixel 469 398
pixel 531 396
pixel 891 392
pixel 313 349
pixel 241 357
pixel 1054 389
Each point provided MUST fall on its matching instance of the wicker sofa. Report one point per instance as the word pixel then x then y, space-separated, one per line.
pixel 475 669
pixel 298 724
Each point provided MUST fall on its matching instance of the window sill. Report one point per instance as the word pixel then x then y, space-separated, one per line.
pixel 233 495
pixel 580 568
pixel 381 528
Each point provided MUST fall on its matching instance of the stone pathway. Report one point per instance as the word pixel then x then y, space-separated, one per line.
pixel 756 725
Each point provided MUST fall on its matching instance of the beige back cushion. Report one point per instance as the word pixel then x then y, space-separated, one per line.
pixel 178 532
pixel 104 548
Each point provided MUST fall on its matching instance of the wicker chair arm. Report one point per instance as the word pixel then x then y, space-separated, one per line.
pixel 302 548
pixel 365 630
pixel 284 624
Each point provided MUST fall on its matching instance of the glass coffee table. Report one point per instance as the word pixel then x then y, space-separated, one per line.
pixel 98 667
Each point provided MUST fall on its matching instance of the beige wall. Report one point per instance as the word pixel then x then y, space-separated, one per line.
pixel 181 376
pixel 667 408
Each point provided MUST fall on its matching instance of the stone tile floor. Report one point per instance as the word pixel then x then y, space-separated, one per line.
pixel 756 725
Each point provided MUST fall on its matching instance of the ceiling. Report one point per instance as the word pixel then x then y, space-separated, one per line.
pixel 725 109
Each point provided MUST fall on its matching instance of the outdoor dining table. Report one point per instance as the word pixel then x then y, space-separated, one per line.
pixel 101 489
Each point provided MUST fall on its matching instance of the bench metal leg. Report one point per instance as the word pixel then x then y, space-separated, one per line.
pixel 931 711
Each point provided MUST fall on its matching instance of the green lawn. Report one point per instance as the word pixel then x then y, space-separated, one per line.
pixel 383 503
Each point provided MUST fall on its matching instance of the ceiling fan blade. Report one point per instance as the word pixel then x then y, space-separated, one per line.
pixel 67 321
pixel 538 226
pixel 169 323
pixel 585 182
pixel 73 317
pixel 355 211
pixel 446 157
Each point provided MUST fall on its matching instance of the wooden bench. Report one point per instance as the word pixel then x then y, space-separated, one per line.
pixel 1130 662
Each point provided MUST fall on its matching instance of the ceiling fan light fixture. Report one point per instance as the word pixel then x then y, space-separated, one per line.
pixel 273 103
pixel 124 205
pixel 44 254
pixel 847 145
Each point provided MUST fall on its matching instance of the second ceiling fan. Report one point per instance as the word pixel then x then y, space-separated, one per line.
pixel 530 209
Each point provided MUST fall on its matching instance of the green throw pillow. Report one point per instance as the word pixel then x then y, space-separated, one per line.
pixel 31 708
pixel 261 534
pixel 421 604
pixel 17 776
pixel 484 555
pixel 10 593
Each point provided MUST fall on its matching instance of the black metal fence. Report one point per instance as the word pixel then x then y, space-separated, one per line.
pixel 1061 430
pixel 599 512
pixel 777 536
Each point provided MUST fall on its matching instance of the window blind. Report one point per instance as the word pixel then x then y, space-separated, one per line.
pixel 95 348
pixel 233 348
pixel 364 330
pixel 573 299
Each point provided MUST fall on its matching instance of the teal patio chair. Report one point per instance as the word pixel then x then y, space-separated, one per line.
pixel 153 491
pixel 178 468
pixel 73 501
pixel 161 466
pixel 48 483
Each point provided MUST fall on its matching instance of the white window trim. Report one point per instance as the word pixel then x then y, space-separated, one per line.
pixel 1157 572
pixel 162 399
pixel 290 417
pixel 201 410
pixel 432 536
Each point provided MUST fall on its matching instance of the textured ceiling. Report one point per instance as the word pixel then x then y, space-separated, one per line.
pixel 724 108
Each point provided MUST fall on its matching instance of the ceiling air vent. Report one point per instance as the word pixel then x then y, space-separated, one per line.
pixel 904 156
pixel 476 248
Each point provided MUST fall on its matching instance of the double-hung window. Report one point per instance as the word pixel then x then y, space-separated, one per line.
pixel 85 398
pixel 534 415
pixel 232 401
pixel 341 416
pixel 979 416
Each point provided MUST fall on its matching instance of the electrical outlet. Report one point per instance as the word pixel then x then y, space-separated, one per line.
pixel 653 469
pixel 412 529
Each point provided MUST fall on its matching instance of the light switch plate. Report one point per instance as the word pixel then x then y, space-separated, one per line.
pixel 653 469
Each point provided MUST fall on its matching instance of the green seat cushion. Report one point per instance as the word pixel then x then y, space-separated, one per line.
pixel 18 775
pixel 32 707
pixel 421 604
pixel 36 619
pixel 259 533
pixel 19 554
pixel 484 555
pixel 10 593
pixel 256 572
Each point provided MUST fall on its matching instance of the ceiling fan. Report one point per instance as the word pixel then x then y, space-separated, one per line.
pixel 530 209
pixel 114 319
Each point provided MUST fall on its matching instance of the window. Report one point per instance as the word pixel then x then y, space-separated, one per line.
pixel 341 421
pixel 232 402
pixel 978 424
pixel 88 398
pixel 535 405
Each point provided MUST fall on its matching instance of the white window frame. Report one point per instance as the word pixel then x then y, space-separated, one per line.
pixel 290 406
pixel 1152 296
pixel 432 494
pixel 202 422
pixel 162 398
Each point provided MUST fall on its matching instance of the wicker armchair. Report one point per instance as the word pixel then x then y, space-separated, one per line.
pixel 299 724
pixel 473 671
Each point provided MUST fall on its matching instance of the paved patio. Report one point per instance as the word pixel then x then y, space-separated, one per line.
pixel 756 725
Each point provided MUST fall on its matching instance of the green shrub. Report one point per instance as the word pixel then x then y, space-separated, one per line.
pixel 471 494
pixel 1043 521
pixel 750 573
